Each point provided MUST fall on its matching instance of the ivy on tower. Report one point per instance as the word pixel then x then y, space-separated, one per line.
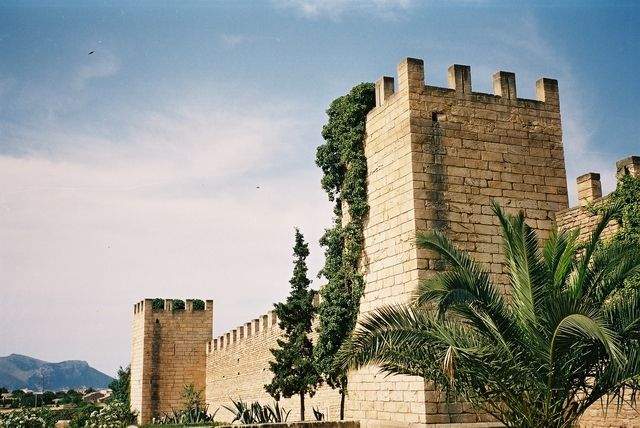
pixel 344 165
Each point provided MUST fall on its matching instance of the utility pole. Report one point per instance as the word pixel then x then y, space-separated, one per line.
pixel 42 389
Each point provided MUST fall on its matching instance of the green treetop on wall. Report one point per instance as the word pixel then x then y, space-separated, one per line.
pixel 344 165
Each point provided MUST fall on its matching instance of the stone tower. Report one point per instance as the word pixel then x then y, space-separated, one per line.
pixel 436 158
pixel 168 351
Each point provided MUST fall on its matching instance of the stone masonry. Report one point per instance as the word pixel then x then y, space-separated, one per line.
pixel 167 353
pixel 436 158
pixel 607 413
pixel 238 367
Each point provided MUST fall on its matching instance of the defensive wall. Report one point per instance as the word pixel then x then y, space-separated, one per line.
pixel 608 412
pixel 436 158
pixel 238 368
pixel 167 353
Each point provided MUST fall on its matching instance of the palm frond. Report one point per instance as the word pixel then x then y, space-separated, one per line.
pixel 610 267
pixel 558 253
pixel 465 284
pixel 393 335
pixel 582 270
pixel 567 336
pixel 525 268
pixel 576 327
pixel 624 315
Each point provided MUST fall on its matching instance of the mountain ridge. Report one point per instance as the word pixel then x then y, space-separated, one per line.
pixel 21 371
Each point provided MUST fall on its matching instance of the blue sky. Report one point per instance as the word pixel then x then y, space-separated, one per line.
pixel 134 172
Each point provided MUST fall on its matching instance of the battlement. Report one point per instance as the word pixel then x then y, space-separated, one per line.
pixel 589 189
pixel 256 327
pixel 437 158
pixel 172 306
pixel 589 186
pixel 411 79
pixel 167 352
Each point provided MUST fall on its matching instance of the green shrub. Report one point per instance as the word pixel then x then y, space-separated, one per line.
pixel 26 418
pixel 114 415
pixel 157 304
pixel 194 410
pixel 257 413
pixel 198 305
pixel 80 415
pixel 178 305
pixel 186 417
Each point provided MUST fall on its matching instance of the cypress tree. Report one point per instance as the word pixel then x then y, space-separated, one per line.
pixel 293 369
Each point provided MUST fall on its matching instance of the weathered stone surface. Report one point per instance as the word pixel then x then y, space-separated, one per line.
pixel 168 351
pixel 238 368
pixel 309 424
pixel 436 159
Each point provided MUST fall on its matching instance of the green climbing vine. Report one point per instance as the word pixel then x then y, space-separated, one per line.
pixel 344 165
pixel 626 198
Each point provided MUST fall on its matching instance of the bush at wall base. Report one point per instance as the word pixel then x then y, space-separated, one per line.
pixel 114 415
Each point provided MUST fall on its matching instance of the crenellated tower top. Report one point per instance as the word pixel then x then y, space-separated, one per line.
pixel 411 78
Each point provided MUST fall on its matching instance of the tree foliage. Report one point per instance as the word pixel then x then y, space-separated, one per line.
pixel 542 356
pixel 293 370
pixel 121 385
pixel 344 165
pixel 626 201
pixel 198 305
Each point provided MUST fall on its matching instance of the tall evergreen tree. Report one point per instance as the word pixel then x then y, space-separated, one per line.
pixel 293 370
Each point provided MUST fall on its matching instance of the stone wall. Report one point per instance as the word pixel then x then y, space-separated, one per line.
pixel 606 413
pixel 140 400
pixel 168 352
pixel 590 195
pixel 238 368
pixel 611 414
pixel 324 424
pixel 436 158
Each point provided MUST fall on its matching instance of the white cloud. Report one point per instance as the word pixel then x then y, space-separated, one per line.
pixel 172 211
pixel 234 40
pixel 334 9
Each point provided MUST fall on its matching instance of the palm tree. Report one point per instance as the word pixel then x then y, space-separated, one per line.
pixel 541 356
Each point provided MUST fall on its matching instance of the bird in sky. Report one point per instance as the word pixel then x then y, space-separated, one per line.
pixel 91 52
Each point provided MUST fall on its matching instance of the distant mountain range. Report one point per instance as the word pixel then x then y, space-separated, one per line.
pixel 20 371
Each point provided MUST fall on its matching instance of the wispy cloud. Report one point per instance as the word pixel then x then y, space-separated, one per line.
pixel 179 206
pixel 526 48
pixel 334 9
pixel 98 65
pixel 578 128
pixel 234 40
